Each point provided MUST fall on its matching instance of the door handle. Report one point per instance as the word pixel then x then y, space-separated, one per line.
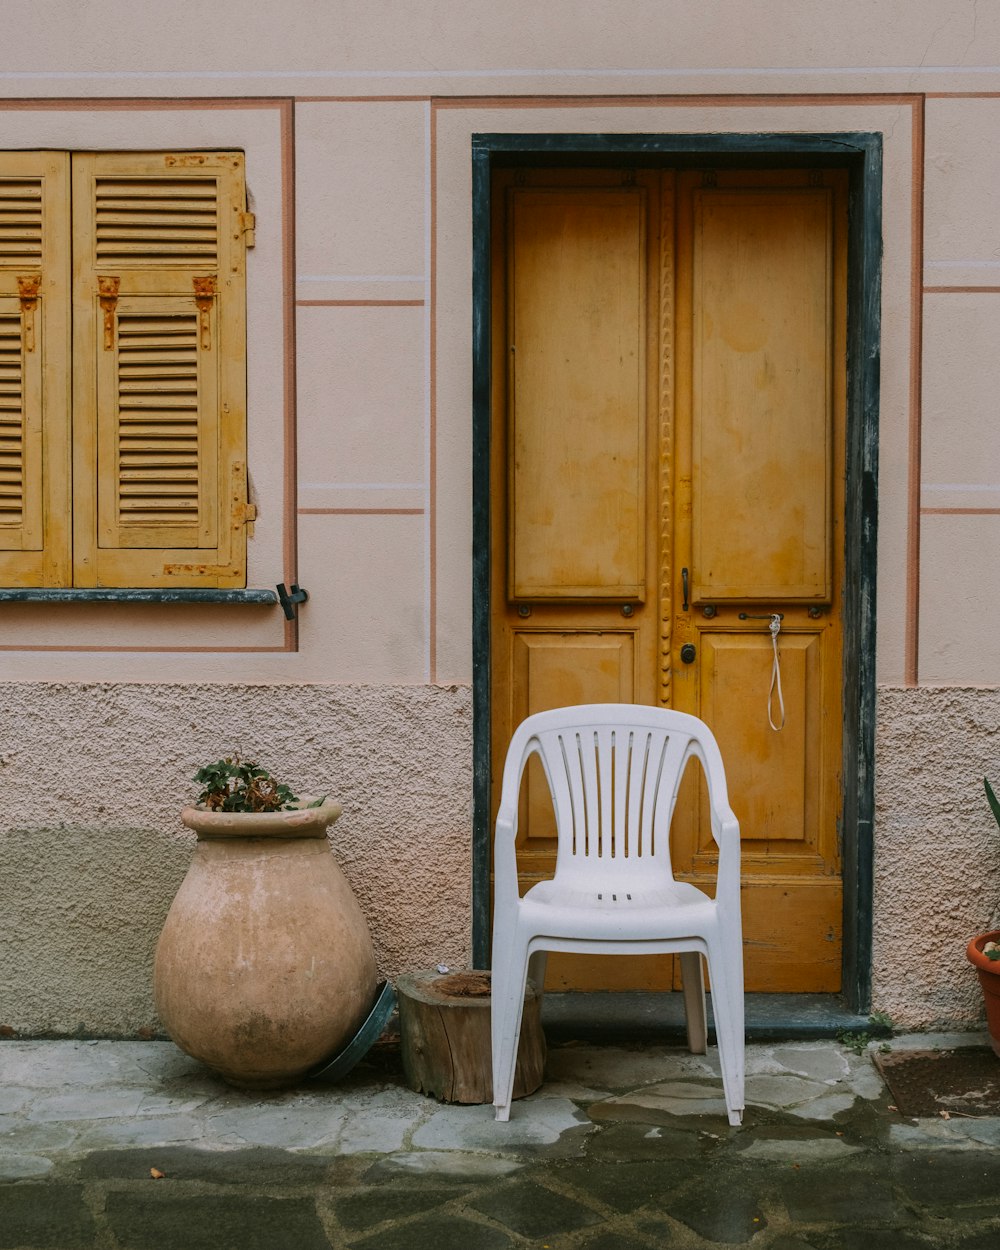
pixel 688 653
pixel 684 589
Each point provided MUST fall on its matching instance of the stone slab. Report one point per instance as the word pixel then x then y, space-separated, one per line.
pixel 551 1126
pixel 954 1180
pixel 45 1216
pixel 626 1185
pixel 531 1210
pixel 808 1150
pixel 450 1165
pixel 17 1167
pixel 438 1232
pixel 160 1220
pixel 366 1208
pixel 260 1165
pixel 850 1195
pixel 719 1206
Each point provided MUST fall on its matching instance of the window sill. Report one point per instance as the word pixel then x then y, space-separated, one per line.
pixel 103 594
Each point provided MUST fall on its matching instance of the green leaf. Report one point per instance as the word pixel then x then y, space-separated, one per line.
pixel 236 785
pixel 993 802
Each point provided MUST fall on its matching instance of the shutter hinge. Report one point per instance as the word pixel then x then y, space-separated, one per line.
pixel 204 294
pixel 245 514
pixel 27 289
pixel 107 291
pixel 248 226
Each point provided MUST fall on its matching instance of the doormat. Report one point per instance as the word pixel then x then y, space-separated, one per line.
pixel 963 1082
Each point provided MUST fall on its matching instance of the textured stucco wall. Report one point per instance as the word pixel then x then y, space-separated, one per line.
pixel 92 778
pixel 937 850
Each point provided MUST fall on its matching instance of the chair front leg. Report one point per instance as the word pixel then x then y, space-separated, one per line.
pixel 725 968
pixel 510 969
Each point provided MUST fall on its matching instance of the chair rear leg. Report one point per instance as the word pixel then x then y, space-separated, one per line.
pixel 536 970
pixel 506 1007
pixel 693 982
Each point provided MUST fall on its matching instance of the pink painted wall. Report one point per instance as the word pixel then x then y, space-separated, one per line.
pixel 357 120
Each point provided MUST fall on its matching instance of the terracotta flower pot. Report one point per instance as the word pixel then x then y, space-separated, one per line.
pixel 265 965
pixel 989 979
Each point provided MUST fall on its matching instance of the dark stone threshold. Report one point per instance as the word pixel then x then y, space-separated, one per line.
pixel 610 1019
pixel 102 594
pixel 647 1017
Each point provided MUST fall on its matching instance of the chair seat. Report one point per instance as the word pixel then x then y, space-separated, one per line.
pixel 667 910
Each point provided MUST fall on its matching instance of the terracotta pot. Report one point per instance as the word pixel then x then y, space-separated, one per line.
pixel 989 979
pixel 265 965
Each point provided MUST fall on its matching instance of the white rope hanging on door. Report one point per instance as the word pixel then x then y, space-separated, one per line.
pixel 775 628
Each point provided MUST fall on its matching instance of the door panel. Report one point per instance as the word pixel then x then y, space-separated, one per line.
pixel 577 399
pixel 551 670
pixel 667 469
pixel 735 672
pixel 760 506
pixel 762 397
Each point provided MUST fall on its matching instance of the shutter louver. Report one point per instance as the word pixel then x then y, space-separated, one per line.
pixel 167 391
pixel 21 222
pixel 158 420
pixel 34 369
pixel 11 425
pixel 151 222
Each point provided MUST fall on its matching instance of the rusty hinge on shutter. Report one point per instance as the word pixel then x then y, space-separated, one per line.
pixel 108 295
pixel 27 289
pixel 245 514
pixel 247 228
pixel 240 512
pixel 204 293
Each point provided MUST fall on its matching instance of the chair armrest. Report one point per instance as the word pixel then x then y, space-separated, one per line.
pixel 726 832
pixel 505 891
pixel 505 861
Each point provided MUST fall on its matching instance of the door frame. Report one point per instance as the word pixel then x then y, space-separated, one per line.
pixel 861 154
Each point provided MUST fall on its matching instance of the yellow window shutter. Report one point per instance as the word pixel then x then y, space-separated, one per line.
pixel 160 369
pixel 34 369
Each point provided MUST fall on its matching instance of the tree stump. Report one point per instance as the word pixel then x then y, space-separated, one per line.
pixel 444 1024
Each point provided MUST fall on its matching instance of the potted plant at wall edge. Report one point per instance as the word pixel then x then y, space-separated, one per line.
pixel 983 953
pixel 265 966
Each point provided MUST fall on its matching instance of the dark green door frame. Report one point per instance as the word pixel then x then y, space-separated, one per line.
pixel 861 153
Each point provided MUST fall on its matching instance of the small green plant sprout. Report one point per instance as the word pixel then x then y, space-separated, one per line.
pixel 882 1021
pixel 993 801
pixel 860 1041
pixel 856 1042
pixel 236 785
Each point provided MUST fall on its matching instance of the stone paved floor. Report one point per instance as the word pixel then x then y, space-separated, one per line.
pixel 622 1148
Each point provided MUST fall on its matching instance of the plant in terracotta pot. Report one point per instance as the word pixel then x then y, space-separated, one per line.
pixel 984 954
pixel 265 967
pixel 237 785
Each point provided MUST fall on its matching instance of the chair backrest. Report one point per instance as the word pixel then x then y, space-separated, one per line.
pixel 614 770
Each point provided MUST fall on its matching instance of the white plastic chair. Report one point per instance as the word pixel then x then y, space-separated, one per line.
pixel 614 770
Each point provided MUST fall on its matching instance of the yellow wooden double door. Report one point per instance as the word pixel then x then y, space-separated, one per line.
pixel 667 477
